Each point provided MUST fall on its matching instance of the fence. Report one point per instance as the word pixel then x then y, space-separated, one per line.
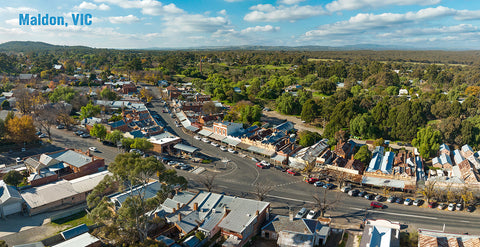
pixel 67 213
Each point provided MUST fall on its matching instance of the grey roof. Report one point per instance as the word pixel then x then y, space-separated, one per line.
pixel 73 158
pixel 241 214
pixel 217 137
pixel 184 197
pixel 87 183
pixel 231 141
pixel 82 240
pixel 287 238
pixel 191 128
pixel 186 148
pixel 166 240
pixel 457 156
pixel 149 191
pixel 395 183
pixel 8 192
pixel 35 244
pixel 204 132
pixel 73 232
pixel 283 223
pixel 189 222
pixel 211 221
pixel 262 151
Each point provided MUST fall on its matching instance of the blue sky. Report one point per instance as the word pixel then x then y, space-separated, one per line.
pixel 192 23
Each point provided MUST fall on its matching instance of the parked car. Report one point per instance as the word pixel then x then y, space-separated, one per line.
pixel 185 167
pixel 311 214
pixel 329 186
pixel 451 207
pixel 408 202
pixel 353 192
pixel 399 200
pixel 311 180
pixel 391 199
pixel 205 140
pixel 107 143
pixel 442 206
pixel 85 135
pixel 369 196
pixel 60 126
pixel 255 159
pixel 230 150
pixel 362 193
pixel 346 189
pixel 459 207
pixel 291 172
pixel 172 162
pixel 432 204
pixel 301 213
pixel 78 132
pixel 281 168
pixel 379 198
pixel 265 163
pixel 133 150
pixel 93 149
pixel 197 138
pixel 42 135
pixel 319 184
pixel 375 204
pixel 214 144
pixel 223 148
pixel 18 160
pixel 258 164
pixel 470 208
pixel 418 202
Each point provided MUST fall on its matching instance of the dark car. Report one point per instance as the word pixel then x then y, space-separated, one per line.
pixel 353 192
pixel 281 168
pixel 107 143
pixel 78 132
pixel 470 208
pixel 369 196
pixel 362 193
pixel 432 204
pixel 399 200
pixel 329 186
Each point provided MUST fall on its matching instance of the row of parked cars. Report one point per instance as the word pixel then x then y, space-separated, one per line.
pixel 306 213
pixel 223 148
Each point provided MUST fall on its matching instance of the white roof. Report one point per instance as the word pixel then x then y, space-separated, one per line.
pixel 82 240
pixel 87 183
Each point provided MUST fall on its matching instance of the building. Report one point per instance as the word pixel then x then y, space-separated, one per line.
pixel 238 219
pixel 381 163
pixel 173 92
pixel 381 233
pixel 10 200
pixel 306 157
pixel 432 238
pixel 227 128
pixel 60 194
pixel 66 164
pixel 164 143
pixel 290 231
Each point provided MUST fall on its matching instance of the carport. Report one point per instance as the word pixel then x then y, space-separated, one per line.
pixel 185 148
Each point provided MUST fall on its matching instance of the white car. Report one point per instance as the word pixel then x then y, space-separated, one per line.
pixel 172 162
pixel 301 213
pixel 205 140
pixel 42 135
pixel 231 151
pixel 93 149
pixel 223 148
pixel 254 159
pixel 214 144
pixel 451 207
pixel 18 160
pixel 311 214
pixel 197 137
pixel 265 163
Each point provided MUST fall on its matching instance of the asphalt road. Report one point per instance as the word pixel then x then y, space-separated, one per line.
pixel 239 176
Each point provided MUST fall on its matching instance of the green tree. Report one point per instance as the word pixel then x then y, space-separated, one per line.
pixel 250 114
pixel 127 142
pixel 141 144
pixel 308 138
pixel 114 136
pixel 309 111
pixel 89 110
pixel 108 94
pixel 128 223
pixel 362 126
pixel 5 105
pixel 363 154
pixel 427 141
pixel 288 104
pixel 13 177
pixel 99 131
pixel 63 93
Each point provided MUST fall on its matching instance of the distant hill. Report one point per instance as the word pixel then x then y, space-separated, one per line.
pixel 29 46
pixel 292 48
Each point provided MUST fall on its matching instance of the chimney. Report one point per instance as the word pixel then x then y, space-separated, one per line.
pixel 178 205
pixel 179 217
pixel 352 156
pixel 195 206
pixel 257 212
pixel 88 152
pixel 174 210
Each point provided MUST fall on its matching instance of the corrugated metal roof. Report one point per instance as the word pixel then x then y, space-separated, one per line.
pixel 75 231
pixel 192 128
pixel 42 195
pixel 231 141
pixel 7 192
pixel 205 132
pixel 241 214
pixel 186 148
pixel 83 240
pixel 217 137
pixel 149 191
pixel 87 183
pixel 211 221
pixel 383 182
pixel 73 158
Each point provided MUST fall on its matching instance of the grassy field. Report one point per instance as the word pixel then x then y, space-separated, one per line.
pixel 74 220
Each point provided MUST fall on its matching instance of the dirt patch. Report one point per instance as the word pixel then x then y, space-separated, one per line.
pixel 274 117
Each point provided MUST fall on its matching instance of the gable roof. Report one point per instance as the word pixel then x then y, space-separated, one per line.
pixel 8 192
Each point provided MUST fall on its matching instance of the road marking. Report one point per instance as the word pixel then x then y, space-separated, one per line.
pixel 465 221
pixel 289 199
pixel 408 215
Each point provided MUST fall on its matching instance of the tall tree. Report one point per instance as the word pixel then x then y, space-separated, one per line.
pixel 13 177
pixel 427 141
pixel 141 144
pixel 89 110
pixel 21 129
pixel 309 111
pixel 129 224
pixel 99 131
pixel 114 136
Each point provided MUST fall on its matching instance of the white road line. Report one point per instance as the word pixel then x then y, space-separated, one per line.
pixel 465 221
pixel 289 199
pixel 258 175
pixel 407 215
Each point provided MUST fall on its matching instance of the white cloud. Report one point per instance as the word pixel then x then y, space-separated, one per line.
pixel 267 28
pixel 123 19
pixel 25 10
pixel 270 13
pixel 290 2
pixel 13 22
pixel 340 5
pixel 369 22
pixel 194 23
pixel 233 1
pixel 222 12
pixel 91 6
pixel 148 7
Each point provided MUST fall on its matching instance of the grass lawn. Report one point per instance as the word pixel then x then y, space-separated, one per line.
pixel 319 95
pixel 74 220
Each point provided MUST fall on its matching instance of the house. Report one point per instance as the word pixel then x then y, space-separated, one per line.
pixel 238 219
pixel 443 161
pixel 148 191
pixel 444 149
pixel 173 92
pixel 164 142
pixel 433 238
pixel 290 231
pixel 66 164
pixel 381 163
pixel 10 200
pixel 381 233
pixel 58 66
pixel 466 151
pixel 129 88
pixel 227 128
pixel 78 237
pixel 60 194
pixel 307 156
pixel 457 157
pixel 344 149
pixel 118 125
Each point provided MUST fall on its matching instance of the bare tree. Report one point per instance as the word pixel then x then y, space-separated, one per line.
pixel 63 114
pixel 208 181
pixel 467 195
pixel 324 202
pixel 45 116
pixel 340 176
pixel 261 190
pixel 428 191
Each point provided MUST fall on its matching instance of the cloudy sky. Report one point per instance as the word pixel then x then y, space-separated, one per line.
pixel 192 23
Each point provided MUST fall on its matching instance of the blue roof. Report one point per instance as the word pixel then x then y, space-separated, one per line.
pixel 285 126
pixel 457 156
pixel 166 240
pixel 387 162
pixel 444 147
pixel 73 232
pixel 375 162
pixel 136 134
pixel 191 241
pixel 117 124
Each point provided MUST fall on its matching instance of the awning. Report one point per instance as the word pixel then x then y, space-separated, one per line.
pixel 243 146
pixel 217 137
pixel 231 141
pixel 205 132
pixel 180 116
pixel 185 148
pixel 279 158
pixel 261 151
pixel 192 128
pixel 381 182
